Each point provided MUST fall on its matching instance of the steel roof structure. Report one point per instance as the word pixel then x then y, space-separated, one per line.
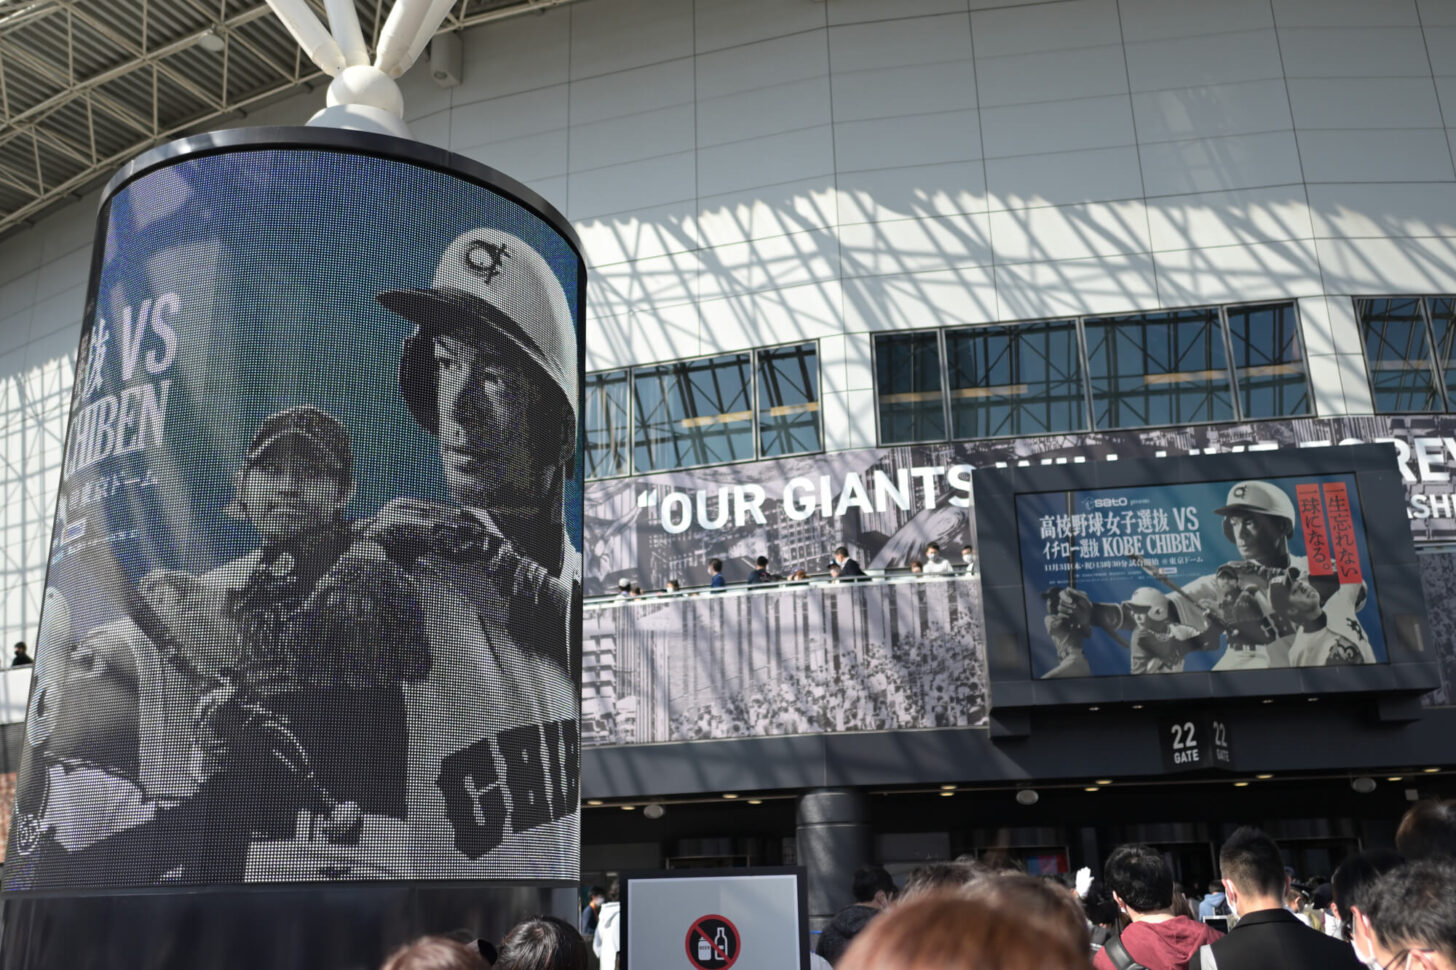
pixel 86 85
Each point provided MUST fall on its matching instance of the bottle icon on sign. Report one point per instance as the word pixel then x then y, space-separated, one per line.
pixel 720 940
pixel 705 950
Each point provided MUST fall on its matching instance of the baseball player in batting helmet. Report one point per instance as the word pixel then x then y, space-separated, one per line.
pixel 1258 517
pixel 491 369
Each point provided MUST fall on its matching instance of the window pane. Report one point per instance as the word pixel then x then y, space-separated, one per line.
pixel 1443 327
pixel 907 380
pixel 1158 368
pixel 605 417
pixel 1017 380
pixel 788 400
pixel 34 406
pixel 695 412
pixel 1399 356
pixel 1268 366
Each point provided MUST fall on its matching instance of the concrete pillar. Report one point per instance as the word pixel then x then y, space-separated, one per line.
pixel 833 841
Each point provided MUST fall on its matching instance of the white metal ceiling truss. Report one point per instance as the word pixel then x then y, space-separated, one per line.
pixel 86 85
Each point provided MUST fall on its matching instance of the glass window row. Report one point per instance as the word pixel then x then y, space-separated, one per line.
pixel 706 411
pixel 1091 373
pixel 1408 347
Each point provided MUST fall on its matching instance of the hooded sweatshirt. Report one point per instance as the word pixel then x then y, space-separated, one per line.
pixel 1167 945
pixel 608 938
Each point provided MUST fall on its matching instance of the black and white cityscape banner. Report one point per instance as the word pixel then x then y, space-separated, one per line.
pixel 309 609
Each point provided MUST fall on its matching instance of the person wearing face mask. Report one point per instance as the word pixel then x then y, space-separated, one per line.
pixel 1352 882
pixel 1411 921
pixel 1267 936
pixel 935 563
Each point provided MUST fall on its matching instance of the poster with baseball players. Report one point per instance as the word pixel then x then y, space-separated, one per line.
pixel 1222 575
pixel 312 605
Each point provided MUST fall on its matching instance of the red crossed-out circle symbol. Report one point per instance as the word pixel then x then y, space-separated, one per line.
pixel 712 943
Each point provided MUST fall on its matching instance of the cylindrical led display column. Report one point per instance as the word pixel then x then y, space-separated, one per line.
pixel 311 615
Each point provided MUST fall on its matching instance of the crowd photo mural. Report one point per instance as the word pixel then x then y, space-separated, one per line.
pixel 310 611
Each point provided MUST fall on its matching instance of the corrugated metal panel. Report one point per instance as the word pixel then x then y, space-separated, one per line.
pixel 85 86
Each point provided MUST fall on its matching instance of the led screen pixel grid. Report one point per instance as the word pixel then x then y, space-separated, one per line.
pixel 311 605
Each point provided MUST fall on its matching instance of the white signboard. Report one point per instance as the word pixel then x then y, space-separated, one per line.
pixel 714 919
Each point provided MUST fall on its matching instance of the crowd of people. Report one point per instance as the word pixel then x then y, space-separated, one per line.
pixel 1383 908
pixel 841 568
pixel 935 681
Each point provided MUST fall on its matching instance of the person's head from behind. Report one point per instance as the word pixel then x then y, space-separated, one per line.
pixel 542 943
pixel 1045 902
pixel 1351 883
pixel 1411 919
pixel 1139 879
pixel 872 885
pixel 933 876
pixel 1428 830
pixel 435 953
pixel 944 930
pixel 1098 904
pixel 1253 871
pixel 761 562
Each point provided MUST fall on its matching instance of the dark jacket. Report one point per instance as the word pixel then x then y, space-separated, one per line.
pixel 849 569
pixel 842 929
pixel 1274 939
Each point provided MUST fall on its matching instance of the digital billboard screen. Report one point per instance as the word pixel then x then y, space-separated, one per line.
pixel 312 603
pixel 1214 575
pixel 1170 579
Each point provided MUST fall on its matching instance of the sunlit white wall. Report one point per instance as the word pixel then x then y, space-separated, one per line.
pixel 751 172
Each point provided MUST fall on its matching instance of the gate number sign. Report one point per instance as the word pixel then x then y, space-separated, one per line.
pixel 1198 741
pixel 712 943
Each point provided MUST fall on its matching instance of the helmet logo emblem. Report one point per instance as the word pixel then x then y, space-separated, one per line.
pixel 1239 492
pixel 484 259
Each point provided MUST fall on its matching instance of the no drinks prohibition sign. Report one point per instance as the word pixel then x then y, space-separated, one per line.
pixel 712 943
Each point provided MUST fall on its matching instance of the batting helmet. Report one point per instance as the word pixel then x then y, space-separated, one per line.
pixel 1146 599
pixel 1261 497
pixel 489 284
